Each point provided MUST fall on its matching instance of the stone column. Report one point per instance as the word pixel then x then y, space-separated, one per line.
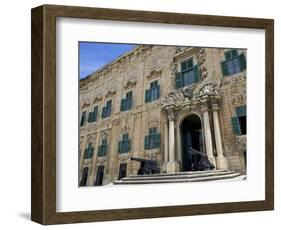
pixel 172 165
pixel 171 140
pixel 221 160
pixel 208 136
pixel 166 146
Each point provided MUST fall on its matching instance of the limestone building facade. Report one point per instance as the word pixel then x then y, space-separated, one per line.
pixel 155 102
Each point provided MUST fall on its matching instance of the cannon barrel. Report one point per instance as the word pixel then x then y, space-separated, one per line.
pixel 194 151
pixel 200 160
pixel 137 159
pixel 146 166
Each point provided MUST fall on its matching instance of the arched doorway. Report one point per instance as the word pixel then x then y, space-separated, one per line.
pixel 191 136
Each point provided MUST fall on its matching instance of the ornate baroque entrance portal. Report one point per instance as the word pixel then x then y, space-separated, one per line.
pixel 191 136
pixel 188 112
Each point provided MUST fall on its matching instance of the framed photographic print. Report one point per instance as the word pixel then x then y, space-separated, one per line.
pixel 141 114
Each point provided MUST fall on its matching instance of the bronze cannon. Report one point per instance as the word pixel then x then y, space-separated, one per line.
pixel 147 166
pixel 200 160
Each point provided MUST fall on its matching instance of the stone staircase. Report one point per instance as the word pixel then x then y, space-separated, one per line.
pixel 179 177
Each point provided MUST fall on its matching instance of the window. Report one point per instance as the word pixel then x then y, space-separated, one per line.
pixel 233 63
pixel 122 171
pixel 83 118
pixel 93 115
pixel 124 145
pixel 99 176
pixel 106 111
pixel 126 104
pixel 83 181
pixel 152 140
pixel 88 153
pixel 189 74
pixel 153 93
pixel 239 122
pixel 102 150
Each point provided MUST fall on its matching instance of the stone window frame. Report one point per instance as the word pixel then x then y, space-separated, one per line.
pixel 236 126
pixel 127 99
pixel 106 107
pixel 178 78
pixel 148 98
pixel 91 114
pixel 231 55
pixel 156 137
pixel 122 141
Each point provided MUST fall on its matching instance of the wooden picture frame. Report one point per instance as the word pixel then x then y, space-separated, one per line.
pixel 43 202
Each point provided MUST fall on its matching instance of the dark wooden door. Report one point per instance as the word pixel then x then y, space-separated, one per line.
pixel 83 181
pixel 122 171
pixel 99 177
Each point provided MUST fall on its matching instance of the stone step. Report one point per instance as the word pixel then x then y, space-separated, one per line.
pixel 178 176
pixel 179 180
pixel 179 173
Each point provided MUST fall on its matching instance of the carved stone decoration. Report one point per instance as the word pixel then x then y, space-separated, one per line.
pixel 153 74
pixel 201 60
pixel 101 161
pixel 151 155
pixel 175 98
pixel 131 82
pixel 111 91
pixel 153 122
pixel 188 92
pixel 241 142
pixel 104 134
pixel 125 129
pixel 170 114
pixel 85 105
pixel 180 49
pixel 97 98
pixel 85 102
pixel 238 99
pixel 91 139
pixel 123 158
pixel 173 68
pixel 210 89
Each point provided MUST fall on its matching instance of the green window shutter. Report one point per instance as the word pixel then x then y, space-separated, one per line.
pixel 86 153
pixel 125 136
pixel 235 125
pixel 103 112
pixel 242 62
pixel 146 142
pixel 119 146
pixel 178 80
pixel 241 111
pixel 95 113
pixel 234 53
pixel 122 105
pixel 190 63
pixel 196 73
pixel 158 91
pixel 90 117
pixel 224 68
pixel 147 95
pixel 83 118
pixel 183 66
pixel 129 146
pixel 130 102
pixel 158 140
pixel 227 55
pixel 90 152
pixel 109 110
pixel 152 130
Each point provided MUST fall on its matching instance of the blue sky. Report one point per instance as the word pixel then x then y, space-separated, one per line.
pixel 94 55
